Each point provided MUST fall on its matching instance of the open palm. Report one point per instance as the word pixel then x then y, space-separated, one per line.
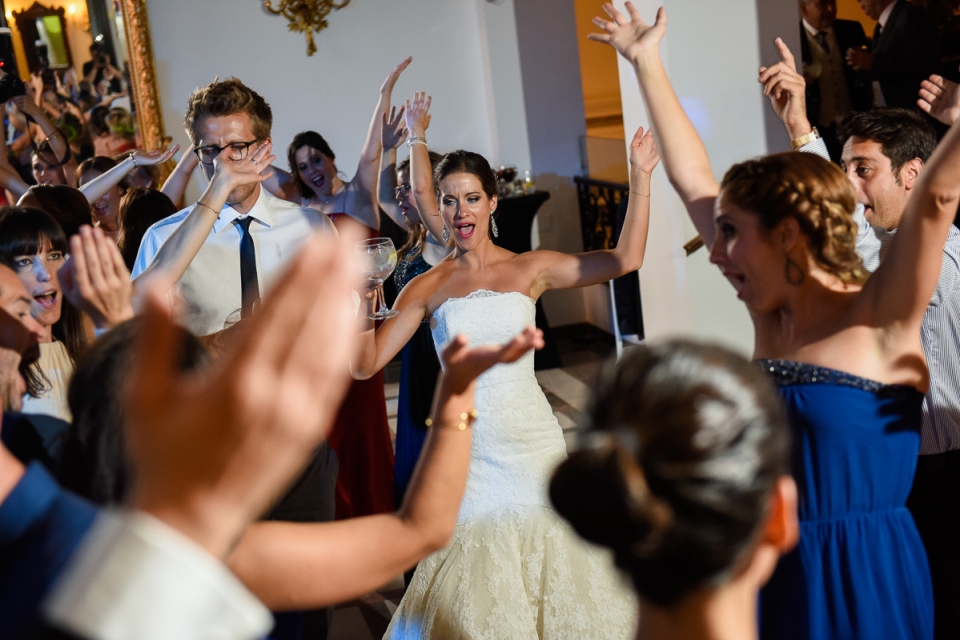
pixel 632 38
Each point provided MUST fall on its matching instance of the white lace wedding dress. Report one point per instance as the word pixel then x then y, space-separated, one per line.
pixel 514 570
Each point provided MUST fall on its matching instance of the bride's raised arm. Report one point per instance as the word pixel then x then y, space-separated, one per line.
pixel 684 156
pixel 565 271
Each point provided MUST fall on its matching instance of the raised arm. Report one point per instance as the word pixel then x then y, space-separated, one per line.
pixel 378 345
pixel 175 255
pixel 900 289
pixel 564 271
pixel 176 184
pixel 9 178
pixel 421 171
pixel 392 135
pixel 99 186
pixel 365 179
pixel 295 566
pixel 280 184
pixel 58 143
pixel 684 156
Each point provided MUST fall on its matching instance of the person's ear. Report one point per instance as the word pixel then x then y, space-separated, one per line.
pixel 782 529
pixel 909 173
pixel 788 232
pixel 493 203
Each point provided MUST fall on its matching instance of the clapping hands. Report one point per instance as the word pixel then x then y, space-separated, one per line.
pixel 633 38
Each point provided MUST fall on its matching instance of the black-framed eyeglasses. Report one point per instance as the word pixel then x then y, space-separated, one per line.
pixel 238 151
pixel 402 190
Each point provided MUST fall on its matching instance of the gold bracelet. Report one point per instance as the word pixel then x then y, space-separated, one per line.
pixel 466 420
pixel 805 139
pixel 206 206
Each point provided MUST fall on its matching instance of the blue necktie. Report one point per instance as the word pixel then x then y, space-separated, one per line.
pixel 249 287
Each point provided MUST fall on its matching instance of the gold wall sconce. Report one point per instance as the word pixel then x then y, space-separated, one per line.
pixel 306 16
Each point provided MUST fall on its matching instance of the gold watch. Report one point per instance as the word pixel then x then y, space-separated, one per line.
pixel 805 139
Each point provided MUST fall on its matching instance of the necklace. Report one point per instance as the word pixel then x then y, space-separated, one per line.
pixel 329 199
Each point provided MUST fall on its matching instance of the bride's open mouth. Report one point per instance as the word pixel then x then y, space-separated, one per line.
pixel 47 299
pixel 465 230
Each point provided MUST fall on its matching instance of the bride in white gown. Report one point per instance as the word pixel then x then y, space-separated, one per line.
pixel 513 569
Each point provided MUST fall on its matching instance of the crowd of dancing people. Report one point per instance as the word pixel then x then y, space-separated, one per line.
pixel 195 437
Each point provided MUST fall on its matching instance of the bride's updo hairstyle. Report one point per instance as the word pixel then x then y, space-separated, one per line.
pixel 812 190
pixel 675 471
pixel 461 161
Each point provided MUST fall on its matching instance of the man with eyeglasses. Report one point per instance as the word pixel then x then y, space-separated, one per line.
pixel 250 234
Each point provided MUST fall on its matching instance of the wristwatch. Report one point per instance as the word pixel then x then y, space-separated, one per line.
pixel 805 139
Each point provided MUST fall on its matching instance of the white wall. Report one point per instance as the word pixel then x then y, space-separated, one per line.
pixel 334 91
pixel 712 52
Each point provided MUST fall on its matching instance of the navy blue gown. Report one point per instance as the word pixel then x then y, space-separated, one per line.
pixel 419 368
pixel 859 570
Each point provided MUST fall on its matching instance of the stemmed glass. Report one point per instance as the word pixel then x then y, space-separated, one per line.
pixel 378 258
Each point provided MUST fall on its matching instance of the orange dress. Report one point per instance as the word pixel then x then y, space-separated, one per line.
pixel 361 439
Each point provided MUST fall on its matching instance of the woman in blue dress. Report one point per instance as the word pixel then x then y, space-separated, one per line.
pixel 419 366
pixel 845 352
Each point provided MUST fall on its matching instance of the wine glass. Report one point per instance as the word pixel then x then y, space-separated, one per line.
pixel 379 258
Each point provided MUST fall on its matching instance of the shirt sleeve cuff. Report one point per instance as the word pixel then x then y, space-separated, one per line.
pixel 135 577
pixel 817 146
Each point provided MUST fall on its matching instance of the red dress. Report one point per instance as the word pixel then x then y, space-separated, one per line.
pixel 361 438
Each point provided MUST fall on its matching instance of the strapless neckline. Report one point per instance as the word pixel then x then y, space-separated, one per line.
pixel 792 372
pixel 482 293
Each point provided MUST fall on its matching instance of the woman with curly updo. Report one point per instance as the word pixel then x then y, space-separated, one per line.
pixel 683 475
pixel 844 351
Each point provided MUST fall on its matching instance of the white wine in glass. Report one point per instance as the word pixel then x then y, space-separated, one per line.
pixel 379 258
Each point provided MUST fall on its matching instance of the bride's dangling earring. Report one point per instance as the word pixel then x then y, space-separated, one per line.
pixel 445 235
pixel 493 225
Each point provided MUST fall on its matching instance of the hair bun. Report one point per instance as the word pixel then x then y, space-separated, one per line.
pixel 603 493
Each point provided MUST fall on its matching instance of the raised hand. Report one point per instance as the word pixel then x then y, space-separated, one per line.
pixel 940 98
pixel 633 38
pixel 213 449
pixel 463 364
pixel 643 152
pixel 394 130
pixel 229 174
pixel 388 84
pixel 787 91
pixel 150 158
pixel 95 279
pixel 28 106
pixel 418 113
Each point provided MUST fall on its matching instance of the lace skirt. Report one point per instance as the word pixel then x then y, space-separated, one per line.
pixel 518 573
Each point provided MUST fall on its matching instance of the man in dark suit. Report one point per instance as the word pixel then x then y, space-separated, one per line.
pixel 834 88
pixel 902 55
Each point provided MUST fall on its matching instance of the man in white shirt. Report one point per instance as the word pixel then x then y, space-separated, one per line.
pixel 253 235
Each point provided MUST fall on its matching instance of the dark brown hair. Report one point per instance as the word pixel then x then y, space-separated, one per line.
pixel 675 471
pixel 68 206
pixel 22 232
pixel 903 134
pixel 310 139
pixel 225 98
pixel 139 210
pixel 813 191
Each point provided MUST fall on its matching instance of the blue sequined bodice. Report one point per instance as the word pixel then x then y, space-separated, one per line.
pixel 409 268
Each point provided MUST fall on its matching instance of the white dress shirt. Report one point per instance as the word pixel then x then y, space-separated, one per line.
pixel 135 577
pixel 210 287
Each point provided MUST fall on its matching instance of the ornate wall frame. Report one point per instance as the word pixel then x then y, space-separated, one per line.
pixel 143 73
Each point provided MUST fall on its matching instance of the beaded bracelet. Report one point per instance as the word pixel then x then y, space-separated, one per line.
pixel 466 420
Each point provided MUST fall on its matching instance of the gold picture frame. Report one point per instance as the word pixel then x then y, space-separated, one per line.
pixel 143 74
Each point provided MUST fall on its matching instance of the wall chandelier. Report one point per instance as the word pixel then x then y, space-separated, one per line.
pixel 306 16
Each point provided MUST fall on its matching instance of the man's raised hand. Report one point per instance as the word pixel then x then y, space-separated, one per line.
pixel 787 91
